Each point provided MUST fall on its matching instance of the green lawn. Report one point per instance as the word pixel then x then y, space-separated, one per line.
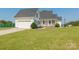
pixel 4 28
pixel 42 39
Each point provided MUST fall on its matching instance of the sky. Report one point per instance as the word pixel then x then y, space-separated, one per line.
pixel 69 14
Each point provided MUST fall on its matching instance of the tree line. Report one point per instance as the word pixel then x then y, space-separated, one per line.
pixel 5 23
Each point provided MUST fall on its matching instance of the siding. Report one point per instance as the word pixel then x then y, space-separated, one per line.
pixel 23 22
pixel 46 22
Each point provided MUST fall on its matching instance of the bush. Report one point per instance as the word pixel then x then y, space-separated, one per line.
pixel 33 25
pixel 57 25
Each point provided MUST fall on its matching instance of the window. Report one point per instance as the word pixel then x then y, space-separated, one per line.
pixel 49 22
pixel 23 20
pixel 43 22
pixel 53 21
pixel 36 15
pixel 38 22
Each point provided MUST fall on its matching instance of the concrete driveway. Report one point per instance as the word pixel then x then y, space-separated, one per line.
pixel 11 30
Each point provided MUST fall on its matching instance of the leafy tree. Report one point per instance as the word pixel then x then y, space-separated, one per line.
pixel 74 23
pixel 4 23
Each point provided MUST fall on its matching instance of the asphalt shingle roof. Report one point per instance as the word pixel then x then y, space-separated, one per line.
pixel 27 12
pixel 32 11
pixel 45 14
pixel 48 15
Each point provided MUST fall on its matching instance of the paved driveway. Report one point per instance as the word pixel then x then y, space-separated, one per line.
pixel 11 30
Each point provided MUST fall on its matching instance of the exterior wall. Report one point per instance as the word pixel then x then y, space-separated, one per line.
pixel 23 22
pixel 37 21
pixel 47 22
pixel 59 22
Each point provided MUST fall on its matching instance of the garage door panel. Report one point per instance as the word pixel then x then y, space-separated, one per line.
pixel 23 24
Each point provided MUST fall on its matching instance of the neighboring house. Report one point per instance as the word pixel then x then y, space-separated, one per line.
pixel 25 17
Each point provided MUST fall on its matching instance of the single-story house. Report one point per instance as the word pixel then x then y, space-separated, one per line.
pixel 24 18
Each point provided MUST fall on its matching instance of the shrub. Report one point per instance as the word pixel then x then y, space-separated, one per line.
pixel 57 25
pixel 33 25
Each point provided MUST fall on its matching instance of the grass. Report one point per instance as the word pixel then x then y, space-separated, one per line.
pixel 42 39
pixel 4 28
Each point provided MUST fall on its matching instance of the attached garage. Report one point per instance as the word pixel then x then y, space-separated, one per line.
pixel 24 18
pixel 23 25
pixel 24 22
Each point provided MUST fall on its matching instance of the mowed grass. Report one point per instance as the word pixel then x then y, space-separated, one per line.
pixel 4 28
pixel 42 39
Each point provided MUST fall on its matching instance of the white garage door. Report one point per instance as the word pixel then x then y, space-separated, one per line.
pixel 23 25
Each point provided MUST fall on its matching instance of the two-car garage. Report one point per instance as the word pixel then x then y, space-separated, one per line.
pixel 24 18
pixel 23 25
pixel 23 22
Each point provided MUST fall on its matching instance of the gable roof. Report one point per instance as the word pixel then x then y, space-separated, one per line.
pixel 27 12
pixel 45 14
pixel 57 17
pixel 48 15
pixel 32 12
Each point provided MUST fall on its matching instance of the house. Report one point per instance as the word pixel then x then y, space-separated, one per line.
pixel 47 18
pixel 24 18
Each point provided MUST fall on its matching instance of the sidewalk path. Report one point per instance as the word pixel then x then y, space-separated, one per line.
pixel 12 30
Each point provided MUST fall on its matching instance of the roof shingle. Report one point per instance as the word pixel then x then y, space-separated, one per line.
pixel 27 12
pixel 45 14
pixel 32 12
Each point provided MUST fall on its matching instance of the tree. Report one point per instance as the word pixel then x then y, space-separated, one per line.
pixel 4 23
pixel 73 23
